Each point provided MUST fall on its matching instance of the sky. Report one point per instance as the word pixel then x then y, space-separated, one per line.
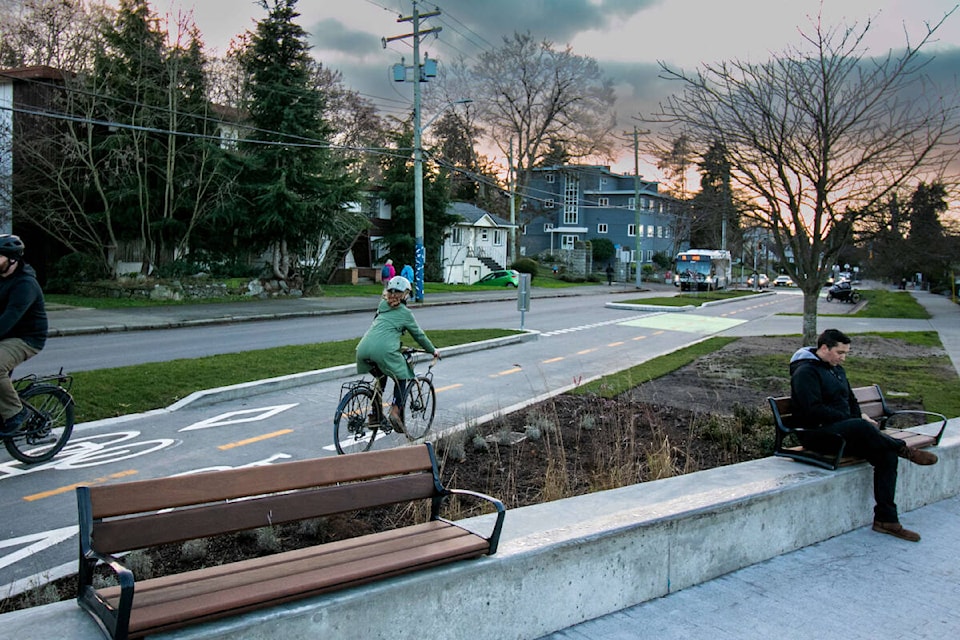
pixel 627 37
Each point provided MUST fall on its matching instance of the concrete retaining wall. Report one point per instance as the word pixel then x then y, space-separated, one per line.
pixel 571 560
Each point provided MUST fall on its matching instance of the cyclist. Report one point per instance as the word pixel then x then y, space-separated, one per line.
pixel 381 345
pixel 23 324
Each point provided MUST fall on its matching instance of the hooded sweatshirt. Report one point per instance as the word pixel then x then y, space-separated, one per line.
pixel 821 393
pixel 22 312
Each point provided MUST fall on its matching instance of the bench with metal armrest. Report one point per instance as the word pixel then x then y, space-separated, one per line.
pixel 136 515
pixel 811 445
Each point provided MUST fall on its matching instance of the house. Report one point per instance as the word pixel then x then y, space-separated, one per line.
pixel 570 204
pixel 475 245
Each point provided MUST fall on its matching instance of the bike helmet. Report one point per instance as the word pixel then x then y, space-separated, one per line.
pixel 11 246
pixel 398 283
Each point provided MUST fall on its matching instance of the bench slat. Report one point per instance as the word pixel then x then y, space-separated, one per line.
pixel 248 585
pixel 156 529
pixel 140 496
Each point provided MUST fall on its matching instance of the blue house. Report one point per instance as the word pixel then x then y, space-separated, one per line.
pixel 569 204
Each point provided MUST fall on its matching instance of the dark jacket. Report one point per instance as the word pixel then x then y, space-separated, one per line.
pixel 821 393
pixel 22 312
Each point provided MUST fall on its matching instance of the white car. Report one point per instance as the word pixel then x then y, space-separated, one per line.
pixel 783 281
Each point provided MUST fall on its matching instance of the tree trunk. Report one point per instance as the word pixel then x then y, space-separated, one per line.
pixel 811 296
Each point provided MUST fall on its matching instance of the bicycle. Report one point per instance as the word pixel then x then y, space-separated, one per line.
pixel 50 423
pixel 359 400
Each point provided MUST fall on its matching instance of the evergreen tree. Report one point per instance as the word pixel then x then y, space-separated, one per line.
pixel 715 215
pixel 398 192
pixel 927 242
pixel 295 190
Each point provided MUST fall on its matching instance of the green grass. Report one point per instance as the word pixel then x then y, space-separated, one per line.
pixel 106 393
pixel 693 299
pixel 617 383
pixel 891 304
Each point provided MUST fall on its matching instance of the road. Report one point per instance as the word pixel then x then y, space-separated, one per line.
pixel 581 339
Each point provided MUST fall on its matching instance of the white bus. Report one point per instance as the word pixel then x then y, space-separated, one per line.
pixel 703 270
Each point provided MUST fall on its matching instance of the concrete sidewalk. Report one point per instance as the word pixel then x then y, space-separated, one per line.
pixel 857 586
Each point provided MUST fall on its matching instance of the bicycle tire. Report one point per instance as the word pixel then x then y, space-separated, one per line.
pixel 855 298
pixel 47 429
pixel 350 421
pixel 420 405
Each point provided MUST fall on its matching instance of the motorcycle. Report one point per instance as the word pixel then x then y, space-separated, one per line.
pixel 844 292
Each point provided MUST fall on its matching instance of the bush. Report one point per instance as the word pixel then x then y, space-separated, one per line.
pixel 603 249
pixel 73 269
pixel 526 265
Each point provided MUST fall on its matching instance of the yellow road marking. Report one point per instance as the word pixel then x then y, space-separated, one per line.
pixel 548 361
pixel 266 436
pixel 640 338
pixel 448 387
pixel 585 351
pixel 615 344
pixel 507 372
pixel 72 487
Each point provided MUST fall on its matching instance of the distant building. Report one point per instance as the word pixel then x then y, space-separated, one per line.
pixel 475 245
pixel 570 204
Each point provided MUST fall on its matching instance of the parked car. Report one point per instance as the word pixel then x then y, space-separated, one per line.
pixel 762 280
pixel 500 278
pixel 783 281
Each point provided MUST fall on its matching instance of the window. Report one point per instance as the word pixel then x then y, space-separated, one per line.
pixel 551 178
pixel 568 242
pixel 649 255
pixel 547 227
pixel 548 203
pixel 603 202
pixel 523 229
pixel 602 227
pixel 631 230
pixel 666 232
pixel 644 203
pixel 603 182
pixel 571 193
pixel 498 237
pixel 456 236
pixel 631 203
pixel 649 230
pixel 484 235
pixel 659 232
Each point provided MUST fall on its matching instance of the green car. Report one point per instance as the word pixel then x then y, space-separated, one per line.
pixel 500 278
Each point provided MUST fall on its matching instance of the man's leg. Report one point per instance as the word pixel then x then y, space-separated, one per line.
pixel 866 441
pixel 13 351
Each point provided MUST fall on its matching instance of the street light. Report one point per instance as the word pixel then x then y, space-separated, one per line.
pixel 420 256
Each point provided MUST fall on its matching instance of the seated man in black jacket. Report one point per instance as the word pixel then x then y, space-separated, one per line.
pixel 822 399
pixel 23 325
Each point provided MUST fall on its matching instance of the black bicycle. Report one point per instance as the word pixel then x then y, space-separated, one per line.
pixel 50 423
pixel 361 419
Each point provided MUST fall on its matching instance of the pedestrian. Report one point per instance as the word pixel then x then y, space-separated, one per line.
pixel 407 272
pixel 388 271
pixel 609 274
pixel 381 345
pixel 23 325
pixel 824 401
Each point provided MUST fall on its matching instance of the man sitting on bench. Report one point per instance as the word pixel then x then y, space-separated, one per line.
pixel 822 399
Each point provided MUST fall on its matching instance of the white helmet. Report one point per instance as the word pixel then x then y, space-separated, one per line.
pixel 398 283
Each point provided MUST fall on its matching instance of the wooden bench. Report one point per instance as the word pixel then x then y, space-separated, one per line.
pixel 826 450
pixel 141 514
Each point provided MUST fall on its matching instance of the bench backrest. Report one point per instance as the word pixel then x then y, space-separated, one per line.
pixel 869 398
pixel 146 513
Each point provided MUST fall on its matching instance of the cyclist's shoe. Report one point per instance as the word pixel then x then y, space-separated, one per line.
pixel 395 420
pixel 17 422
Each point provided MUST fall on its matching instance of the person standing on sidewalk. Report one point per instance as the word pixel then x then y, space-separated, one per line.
pixel 23 324
pixel 823 399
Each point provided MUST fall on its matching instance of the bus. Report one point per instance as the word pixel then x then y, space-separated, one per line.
pixel 703 270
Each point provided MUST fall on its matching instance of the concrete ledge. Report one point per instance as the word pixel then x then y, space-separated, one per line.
pixel 564 562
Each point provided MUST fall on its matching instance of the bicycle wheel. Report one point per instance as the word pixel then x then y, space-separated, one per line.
pixel 47 429
pixel 350 428
pixel 420 403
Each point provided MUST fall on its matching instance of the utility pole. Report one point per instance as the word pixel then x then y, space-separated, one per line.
pixel 511 247
pixel 636 204
pixel 420 74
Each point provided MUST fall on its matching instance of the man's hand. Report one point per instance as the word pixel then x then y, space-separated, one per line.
pixel 870 420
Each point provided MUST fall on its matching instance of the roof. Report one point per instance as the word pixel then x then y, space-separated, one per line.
pixel 472 214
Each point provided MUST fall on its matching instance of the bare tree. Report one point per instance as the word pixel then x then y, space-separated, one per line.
pixel 531 96
pixel 818 136
pixel 54 33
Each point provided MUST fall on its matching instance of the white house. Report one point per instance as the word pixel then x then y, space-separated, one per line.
pixel 474 246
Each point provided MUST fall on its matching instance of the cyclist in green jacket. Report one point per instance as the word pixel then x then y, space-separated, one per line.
pixel 381 345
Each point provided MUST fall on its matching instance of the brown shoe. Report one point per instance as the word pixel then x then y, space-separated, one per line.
pixel 918 456
pixel 395 420
pixel 896 529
